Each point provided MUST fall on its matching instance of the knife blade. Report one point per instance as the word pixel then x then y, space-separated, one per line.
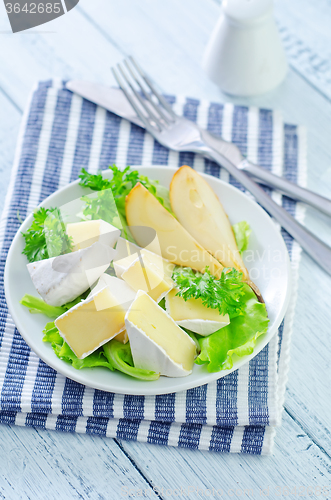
pixel 109 98
pixel 115 101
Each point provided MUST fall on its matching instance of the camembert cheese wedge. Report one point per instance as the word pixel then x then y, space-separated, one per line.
pixel 119 288
pixel 85 233
pixel 157 342
pixel 144 275
pixel 128 252
pixel 92 322
pixel 61 279
pixel 123 293
pixel 193 315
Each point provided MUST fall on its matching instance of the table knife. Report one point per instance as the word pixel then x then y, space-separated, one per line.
pixel 115 101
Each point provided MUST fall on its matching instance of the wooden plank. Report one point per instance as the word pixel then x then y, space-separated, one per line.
pixel 65 53
pixel 168 37
pixel 78 466
pixel 179 32
pixel 297 463
pixel 309 54
pixel 64 465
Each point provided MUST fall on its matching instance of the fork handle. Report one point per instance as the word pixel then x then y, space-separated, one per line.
pixel 289 188
pixel 316 248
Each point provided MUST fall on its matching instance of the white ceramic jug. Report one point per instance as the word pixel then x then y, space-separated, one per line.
pixel 245 55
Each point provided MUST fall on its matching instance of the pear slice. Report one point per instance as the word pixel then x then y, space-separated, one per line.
pixel 200 212
pixel 143 210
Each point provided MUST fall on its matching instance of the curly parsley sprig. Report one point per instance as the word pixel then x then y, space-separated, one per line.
pixel 224 294
pixel 121 184
pixel 109 204
pixel 46 237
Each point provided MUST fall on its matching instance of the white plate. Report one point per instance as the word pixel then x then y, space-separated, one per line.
pixel 267 260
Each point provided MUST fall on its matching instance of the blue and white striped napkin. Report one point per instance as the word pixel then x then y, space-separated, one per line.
pixel 60 134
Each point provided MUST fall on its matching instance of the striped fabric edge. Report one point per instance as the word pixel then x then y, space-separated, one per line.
pixel 153 408
pixel 17 156
pixel 256 440
pixel 10 341
pixel 10 327
pixel 300 211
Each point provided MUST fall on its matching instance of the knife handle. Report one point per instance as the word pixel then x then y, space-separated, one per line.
pixel 317 249
pixel 287 187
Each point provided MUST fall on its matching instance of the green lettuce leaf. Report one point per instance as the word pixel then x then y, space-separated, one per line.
pixel 239 337
pixel 121 358
pixel 63 351
pixel 96 358
pixel 51 334
pixel 39 306
pixel 113 355
pixel 242 233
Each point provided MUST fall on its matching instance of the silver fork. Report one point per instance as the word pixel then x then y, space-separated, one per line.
pixel 177 133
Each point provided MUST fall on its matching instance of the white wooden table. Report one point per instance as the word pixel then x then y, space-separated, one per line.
pixel 168 39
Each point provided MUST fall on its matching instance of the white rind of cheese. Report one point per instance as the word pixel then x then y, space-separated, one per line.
pixel 91 323
pixel 203 327
pixel 146 352
pixel 85 233
pixel 61 279
pixel 128 252
pixel 148 355
pixel 184 312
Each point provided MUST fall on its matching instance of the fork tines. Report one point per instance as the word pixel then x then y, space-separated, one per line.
pixel 153 114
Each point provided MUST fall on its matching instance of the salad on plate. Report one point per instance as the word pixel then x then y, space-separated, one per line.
pixel 144 280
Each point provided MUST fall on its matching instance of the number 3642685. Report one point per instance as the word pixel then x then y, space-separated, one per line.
pixel 33 8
